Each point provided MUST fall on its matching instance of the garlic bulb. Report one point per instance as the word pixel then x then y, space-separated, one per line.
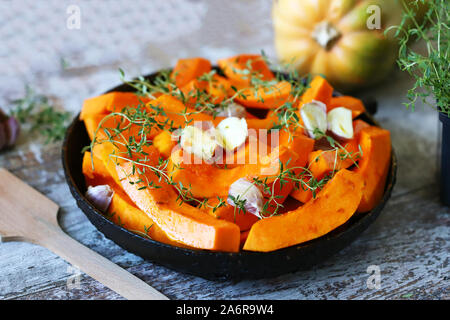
pixel 231 133
pixel 100 196
pixel 314 116
pixel 232 110
pixel 243 192
pixel 340 122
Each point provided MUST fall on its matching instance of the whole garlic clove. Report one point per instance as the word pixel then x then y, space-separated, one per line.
pixel 231 133
pixel 199 141
pixel 314 116
pixel 243 192
pixel 100 196
pixel 9 130
pixel 340 122
pixel 232 110
pixel 3 139
pixel 12 131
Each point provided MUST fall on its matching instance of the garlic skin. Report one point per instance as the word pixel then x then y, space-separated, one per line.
pixel 340 122
pixel 198 141
pixel 241 190
pixel 9 130
pixel 314 116
pixel 232 110
pixel 100 196
pixel 12 131
pixel 231 133
pixel 2 136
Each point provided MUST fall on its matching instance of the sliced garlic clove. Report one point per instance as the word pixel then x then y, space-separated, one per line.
pixel 243 193
pixel 340 122
pixel 231 133
pixel 314 116
pixel 232 110
pixel 199 142
pixel 100 196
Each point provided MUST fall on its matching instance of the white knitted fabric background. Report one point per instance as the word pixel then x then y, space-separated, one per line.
pixel 39 49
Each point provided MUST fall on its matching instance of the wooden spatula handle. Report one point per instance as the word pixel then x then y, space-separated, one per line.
pixel 98 267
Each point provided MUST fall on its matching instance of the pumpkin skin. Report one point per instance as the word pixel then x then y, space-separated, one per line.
pixel 331 38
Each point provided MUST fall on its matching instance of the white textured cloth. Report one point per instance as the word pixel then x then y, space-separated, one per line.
pixel 38 48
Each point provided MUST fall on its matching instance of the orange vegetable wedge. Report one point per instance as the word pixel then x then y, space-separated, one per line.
pixel 239 69
pixel 182 223
pixel 266 98
pixel 195 176
pixel 113 153
pixel 122 210
pixel 189 69
pixel 351 103
pixel 214 91
pixel 374 165
pixel 322 162
pixel 319 90
pixel 114 121
pixel 176 114
pixel 113 101
pixel 332 207
pixel 164 143
pixel 300 194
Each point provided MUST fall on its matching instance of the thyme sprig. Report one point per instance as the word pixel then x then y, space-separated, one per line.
pixel 430 70
pixel 41 115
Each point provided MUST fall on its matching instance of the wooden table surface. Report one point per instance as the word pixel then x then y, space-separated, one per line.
pixel 409 242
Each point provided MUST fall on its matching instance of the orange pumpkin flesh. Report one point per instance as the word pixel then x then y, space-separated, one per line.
pixel 374 165
pixel 332 207
pixel 122 210
pixel 109 102
pixel 233 68
pixel 182 223
pixel 189 69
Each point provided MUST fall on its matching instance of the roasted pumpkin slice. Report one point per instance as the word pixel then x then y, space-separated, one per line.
pixel 181 222
pixel 270 97
pixel 122 210
pixel 189 69
pixel 319 90
pixel 113 101
pixel 332 207
pixel 240 69
pixel 351 103
pixel 374 165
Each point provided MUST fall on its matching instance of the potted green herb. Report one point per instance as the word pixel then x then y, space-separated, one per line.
pixel 430 70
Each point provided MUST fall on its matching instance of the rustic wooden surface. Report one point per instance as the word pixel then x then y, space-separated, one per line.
pixel 410 241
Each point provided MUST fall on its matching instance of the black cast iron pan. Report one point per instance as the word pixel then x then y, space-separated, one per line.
pixel 208 264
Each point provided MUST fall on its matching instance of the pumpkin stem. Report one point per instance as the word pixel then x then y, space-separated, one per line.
pixel 326 34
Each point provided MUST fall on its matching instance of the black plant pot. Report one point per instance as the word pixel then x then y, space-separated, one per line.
pixel 445 159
